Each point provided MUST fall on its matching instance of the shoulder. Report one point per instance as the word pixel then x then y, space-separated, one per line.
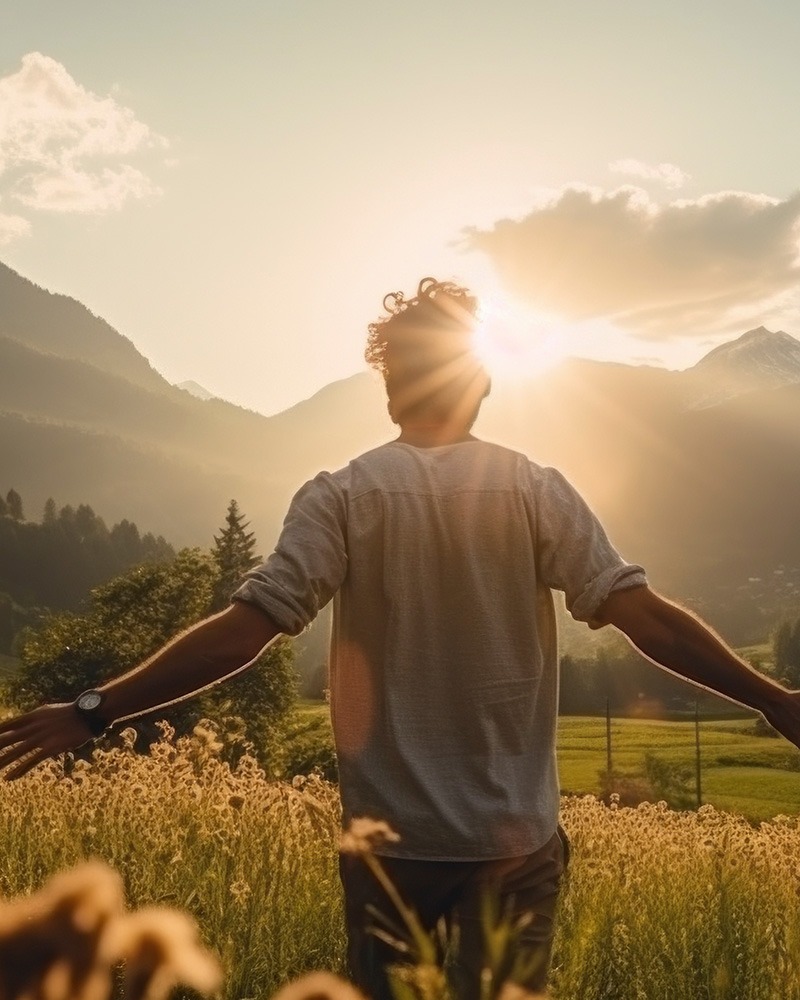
pixel 365 471
pixel 557 500
pixel 336 486
pixel 325 492
pixel 546 479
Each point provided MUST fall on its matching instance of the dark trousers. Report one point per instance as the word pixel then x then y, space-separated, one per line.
pixel 453 891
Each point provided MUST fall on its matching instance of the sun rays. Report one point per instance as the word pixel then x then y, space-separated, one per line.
pixel 515 343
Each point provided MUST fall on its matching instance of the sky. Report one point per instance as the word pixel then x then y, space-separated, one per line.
pixel 235 187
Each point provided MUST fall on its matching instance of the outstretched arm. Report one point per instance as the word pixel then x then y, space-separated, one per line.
pixel 673 638
pixel 215 648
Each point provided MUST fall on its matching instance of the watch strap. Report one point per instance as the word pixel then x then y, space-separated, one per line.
pixel 91 715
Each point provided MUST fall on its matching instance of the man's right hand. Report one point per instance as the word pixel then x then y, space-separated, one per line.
pixel 783 714
pixel 28 739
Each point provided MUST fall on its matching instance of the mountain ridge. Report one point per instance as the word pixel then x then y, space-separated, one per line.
pixel 55 323
pixel 695 473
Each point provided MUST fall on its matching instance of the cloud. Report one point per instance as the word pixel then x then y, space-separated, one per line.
pixel 12 227
pixel 658 270
pixel 63 148
pixel 666 173
pixel 71 190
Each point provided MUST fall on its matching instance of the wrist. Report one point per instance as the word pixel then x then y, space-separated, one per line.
pixel 91 708
pixel 767 696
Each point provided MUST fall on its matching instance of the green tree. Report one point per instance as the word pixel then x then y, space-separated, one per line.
pixel 786 652
pixel 263 695
pixel 255 705
pixel 234 553
pixel 127 621
pixel 49 514
pixel 13 617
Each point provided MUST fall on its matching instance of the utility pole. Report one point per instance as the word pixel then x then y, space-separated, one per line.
pixel 697 754
pixel 609 765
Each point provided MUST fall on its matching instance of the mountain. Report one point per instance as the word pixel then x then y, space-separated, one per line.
pixel 84 416
pixel 759 354
pixel 759 359
pixel 195 389
pixel 695 473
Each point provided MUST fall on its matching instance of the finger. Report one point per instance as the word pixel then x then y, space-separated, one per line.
pixel 9 725
pixel 10 738
pixel 14 753
pixel 25 727
pixel 26 764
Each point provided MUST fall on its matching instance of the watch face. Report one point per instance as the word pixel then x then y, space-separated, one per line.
pixel 89 701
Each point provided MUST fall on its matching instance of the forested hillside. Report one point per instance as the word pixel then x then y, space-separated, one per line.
pixel 53 562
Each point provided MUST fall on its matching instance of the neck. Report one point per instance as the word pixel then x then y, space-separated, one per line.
pixel 433 435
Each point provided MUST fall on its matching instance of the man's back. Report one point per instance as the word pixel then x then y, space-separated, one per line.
pixel 443 658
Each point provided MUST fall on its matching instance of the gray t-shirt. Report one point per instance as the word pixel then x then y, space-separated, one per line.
pixel 444 664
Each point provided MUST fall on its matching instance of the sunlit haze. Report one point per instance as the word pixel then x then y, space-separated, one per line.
pixel 514 343
pixel 235 189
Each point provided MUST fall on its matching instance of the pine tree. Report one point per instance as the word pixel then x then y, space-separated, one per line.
pixel 14 504
pixel 50 513
pixel 234 553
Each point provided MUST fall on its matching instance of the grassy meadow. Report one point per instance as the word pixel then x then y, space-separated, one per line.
pixel 741 771
pixel 658 904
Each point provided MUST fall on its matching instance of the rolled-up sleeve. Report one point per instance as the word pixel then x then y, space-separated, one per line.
pixel 574 552
pixel 309 563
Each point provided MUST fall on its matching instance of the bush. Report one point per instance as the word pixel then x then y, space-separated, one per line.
pixel 309 748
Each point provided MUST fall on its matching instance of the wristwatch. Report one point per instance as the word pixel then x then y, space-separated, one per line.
pixel 88 705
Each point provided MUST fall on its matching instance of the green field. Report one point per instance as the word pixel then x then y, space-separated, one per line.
pixel 741 772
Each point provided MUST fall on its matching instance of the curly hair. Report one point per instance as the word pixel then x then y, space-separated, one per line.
pixel 438 307
pixel 423 349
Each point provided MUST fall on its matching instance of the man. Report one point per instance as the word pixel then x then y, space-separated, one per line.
pixel 442 552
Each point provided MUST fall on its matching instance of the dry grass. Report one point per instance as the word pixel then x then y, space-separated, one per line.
pixel 658 905
pixel 252 860
pixel 664 905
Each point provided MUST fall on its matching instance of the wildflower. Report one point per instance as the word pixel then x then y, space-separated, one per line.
pixel 54 943
pixel 319 986
pixel 513 991
pixel 364 835
pixel 160 949
pixel 240 890
pixel 128 737
pixel 207 738
pixel 64 942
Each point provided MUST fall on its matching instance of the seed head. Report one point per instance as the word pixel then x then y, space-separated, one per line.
pixel 365 834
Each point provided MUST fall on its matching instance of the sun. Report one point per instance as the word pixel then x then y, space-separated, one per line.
pixel 515 343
